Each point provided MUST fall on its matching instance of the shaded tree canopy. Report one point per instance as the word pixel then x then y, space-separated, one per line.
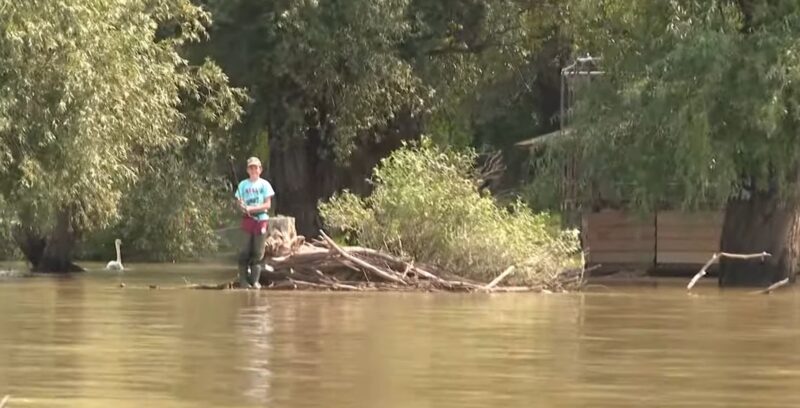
pixel 337 85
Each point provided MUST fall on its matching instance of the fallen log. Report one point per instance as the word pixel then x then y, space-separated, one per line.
pixel 507 289
pixel 300 284
pixel 452 285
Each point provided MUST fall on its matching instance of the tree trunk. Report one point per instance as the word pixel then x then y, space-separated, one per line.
pixel 285 226
pixel 282 238
pixel 762 223
pixel 30 242
pixel 304 171
pixel 301 177
pixel 52 254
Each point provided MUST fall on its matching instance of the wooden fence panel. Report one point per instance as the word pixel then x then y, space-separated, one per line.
pixel 617 238
pixel 687 238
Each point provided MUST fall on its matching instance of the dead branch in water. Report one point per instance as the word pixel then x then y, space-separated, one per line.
pixel 716 257
pixel 702 271
pixel 772 287
pixel 4 401
pixel 498 279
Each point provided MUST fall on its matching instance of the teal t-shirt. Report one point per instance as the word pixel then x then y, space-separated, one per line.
pixel 255 193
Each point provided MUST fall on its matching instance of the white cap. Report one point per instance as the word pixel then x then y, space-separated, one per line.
pixel 253 161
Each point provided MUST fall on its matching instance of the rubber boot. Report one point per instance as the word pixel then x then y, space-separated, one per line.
pixel 244 277
pixel 255 275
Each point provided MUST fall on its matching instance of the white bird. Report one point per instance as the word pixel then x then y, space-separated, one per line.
pixel 116 265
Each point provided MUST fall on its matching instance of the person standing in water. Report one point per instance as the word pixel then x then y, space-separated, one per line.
pixel 254 196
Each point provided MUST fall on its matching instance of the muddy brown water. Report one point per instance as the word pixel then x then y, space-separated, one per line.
pixel 82 341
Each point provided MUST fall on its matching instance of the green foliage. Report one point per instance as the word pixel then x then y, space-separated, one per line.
pixel 171 216
pixel 330 79
pixel 95 96
pixel 80 100
pixel 426 205
pixel 544 191
pixel 700 101
pixel 172 209
pixel 8 248
pixel 340 70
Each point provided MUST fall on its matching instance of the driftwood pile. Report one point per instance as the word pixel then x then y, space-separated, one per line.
pixel 325 265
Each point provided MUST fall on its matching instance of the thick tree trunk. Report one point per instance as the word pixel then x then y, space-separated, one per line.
pixel 52 254
pixel 30 242
pixel 761 223
pixel 301 177
pixel 304 171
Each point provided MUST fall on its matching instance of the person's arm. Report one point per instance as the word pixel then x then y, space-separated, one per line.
pixel 265 206
pixel 239 202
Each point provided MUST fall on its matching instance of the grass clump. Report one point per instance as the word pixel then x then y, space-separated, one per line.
pixel 426 206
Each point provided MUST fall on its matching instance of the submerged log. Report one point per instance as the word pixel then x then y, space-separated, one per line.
pixel 774 286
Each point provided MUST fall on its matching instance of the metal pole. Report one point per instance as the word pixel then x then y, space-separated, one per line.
pixel 581 66
pixel 561 108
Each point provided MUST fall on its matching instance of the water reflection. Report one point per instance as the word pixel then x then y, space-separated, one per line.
pixel 84 342
pixel 254 328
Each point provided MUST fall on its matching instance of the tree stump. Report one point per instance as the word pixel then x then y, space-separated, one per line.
pixel 282 238
pixel 283 225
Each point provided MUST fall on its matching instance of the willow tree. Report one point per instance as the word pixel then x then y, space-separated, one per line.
pixel 89 90
pixel 700 106
pixel 338 84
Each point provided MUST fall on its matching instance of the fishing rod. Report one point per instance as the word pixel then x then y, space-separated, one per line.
pixel 236 180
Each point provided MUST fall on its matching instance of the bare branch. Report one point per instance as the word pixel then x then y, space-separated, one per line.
pixel 772 287
pixel 366 265
pixel 502 276
pixel 716 257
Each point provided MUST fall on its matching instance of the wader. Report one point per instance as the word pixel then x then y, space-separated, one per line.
pixel 251 256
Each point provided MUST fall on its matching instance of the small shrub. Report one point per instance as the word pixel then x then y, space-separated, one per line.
pixel 426 205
